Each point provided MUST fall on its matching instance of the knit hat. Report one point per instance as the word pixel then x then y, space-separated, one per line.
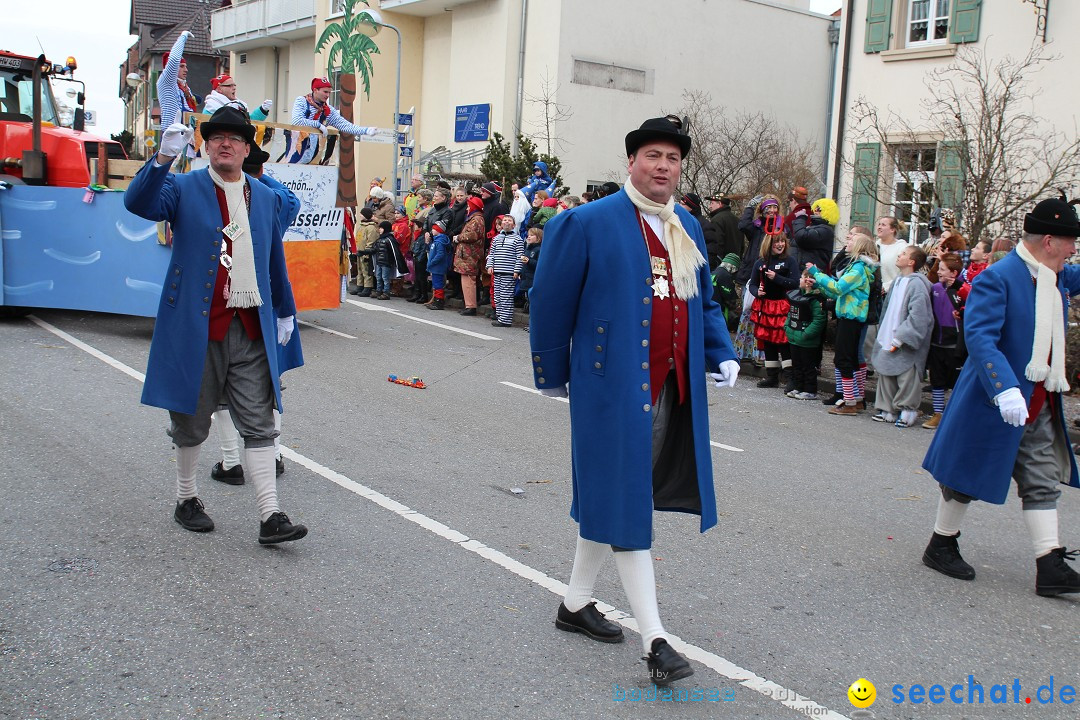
pixel 367 213
pixel 475 204
pixel 320 82
pixel 438 227
pixel 551 202
pixel 492 187
pixel 731 262
pixel 1053 216
pixel 693 200
pixel 400 209
pixel 165 60
pixel 386 226
pixel 799 194
pixel 214 82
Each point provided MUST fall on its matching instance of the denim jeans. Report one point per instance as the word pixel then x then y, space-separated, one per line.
pixel 383 275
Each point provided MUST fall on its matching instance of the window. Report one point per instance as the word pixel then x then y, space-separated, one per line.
pixel 928 22
pixel 335 87
pixel 913 188
pixel 615 77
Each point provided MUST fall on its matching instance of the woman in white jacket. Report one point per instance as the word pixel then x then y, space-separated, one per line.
pixel 224 93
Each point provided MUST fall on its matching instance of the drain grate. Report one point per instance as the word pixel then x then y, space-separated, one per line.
pixel 73 565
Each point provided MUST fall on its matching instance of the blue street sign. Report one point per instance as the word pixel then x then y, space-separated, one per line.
pixel 401 138
pixel 406 151
pixel 472 122
pixel 404 119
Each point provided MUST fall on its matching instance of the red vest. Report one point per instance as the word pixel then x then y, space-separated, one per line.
pixel 669 328
pixel 220 315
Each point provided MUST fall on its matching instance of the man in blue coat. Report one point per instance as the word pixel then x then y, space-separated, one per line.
pixel 225 306
pixel 1005 420
pixel 622 310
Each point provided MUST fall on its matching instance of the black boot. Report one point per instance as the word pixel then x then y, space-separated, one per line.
pixel 834 399
pixel 366 292
pixel 437 304
pixel 789 380
pixel 943 555
pixel 771 379
pixel 665 664
pixel 1054 576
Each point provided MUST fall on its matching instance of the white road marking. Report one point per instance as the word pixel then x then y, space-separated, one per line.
pixel 722 666
pixel 392 311
pixel 326 329
pixel 567 400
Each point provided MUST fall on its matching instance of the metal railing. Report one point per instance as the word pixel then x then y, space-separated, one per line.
pixel 255 19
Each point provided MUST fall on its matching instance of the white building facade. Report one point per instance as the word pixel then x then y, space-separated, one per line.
pixel 888 50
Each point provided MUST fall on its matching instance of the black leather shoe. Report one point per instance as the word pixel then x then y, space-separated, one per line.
pixel 943 555
pixel 232 476
pixel 496 323
pixel 1054 575
pixel 191 516
pixel 836 397
pixel 467 311
pixel 280 462
pixel 665 664
pixel 769 382
pixel 590 622
pixel 278 529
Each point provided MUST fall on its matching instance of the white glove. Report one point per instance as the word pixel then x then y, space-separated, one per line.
pixel 175 139
pixel 729 373
pixel 284 330
pixel 266 105
pixel 188 34
pixel 322 128
pixel 555 392
pixel 1013 408
pixel 371 131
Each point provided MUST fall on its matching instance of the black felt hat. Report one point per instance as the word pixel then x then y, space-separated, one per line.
pixel 254 161
pixel 670 129
pixel 1053 216
pixel 228 119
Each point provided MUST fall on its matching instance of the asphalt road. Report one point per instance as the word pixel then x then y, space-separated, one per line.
pixel 427 588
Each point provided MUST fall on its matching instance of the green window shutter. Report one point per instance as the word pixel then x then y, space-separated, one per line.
pixel 864 183
pixel 878 25
pixel 949 176
pixel 964 23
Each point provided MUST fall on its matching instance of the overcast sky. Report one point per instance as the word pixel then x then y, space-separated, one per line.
pixel 95 32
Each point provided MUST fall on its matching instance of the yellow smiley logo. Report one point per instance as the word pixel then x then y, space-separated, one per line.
pixel 862 693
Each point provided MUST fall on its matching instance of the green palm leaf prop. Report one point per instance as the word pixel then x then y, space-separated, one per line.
pixel 352 50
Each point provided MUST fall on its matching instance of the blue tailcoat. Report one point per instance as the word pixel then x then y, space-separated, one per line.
pixel 590 309
pixel 181 334
pixel 974 450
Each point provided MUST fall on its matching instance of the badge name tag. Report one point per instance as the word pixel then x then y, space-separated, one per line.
pixel 232 231
pixel 659 265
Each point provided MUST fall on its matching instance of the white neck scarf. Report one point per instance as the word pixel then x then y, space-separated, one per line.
pixel 685 257
pixel 244 287
pixel 1049 341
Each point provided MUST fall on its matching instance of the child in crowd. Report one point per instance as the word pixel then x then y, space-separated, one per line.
pixel 503 258
pixel 805 330
pixel 903 341
pixel 772 276
pixel 367 232
pixel 947 299
pixel 382 251
pixel 527 265
pixel 851 291
pixel 980 255
pixel 724 290
pixel 437 262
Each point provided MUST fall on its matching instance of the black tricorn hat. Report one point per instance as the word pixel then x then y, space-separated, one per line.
pixel 256 157
pixel 228 119
pixel 670 129
pixel 1053 216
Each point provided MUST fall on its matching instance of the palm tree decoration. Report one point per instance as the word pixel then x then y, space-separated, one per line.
pixel 353 50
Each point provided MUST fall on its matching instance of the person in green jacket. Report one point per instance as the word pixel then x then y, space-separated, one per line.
pixel 851 291
pixel 805 328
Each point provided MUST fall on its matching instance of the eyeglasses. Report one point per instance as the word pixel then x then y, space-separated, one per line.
pixel 229 85
pixel 234 139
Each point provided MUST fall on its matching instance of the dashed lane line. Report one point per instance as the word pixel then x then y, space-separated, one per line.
pixel 567 400
pixel 720 665
pixel 327 330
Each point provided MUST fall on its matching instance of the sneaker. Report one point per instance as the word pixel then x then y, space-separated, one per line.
pixel 666 665
pixel 805 396
pixel 589 622
pixel 943 555
pixel 278 529
pixel 232 476
pixel 933 422
pixel 191 516
pixel 792 393
pixel 280 465
pixel 1054 575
